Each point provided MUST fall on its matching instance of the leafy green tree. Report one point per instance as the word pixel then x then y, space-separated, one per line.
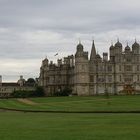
pixel 65 92
pixel 31 82
pixel 22 94
pixel 39 92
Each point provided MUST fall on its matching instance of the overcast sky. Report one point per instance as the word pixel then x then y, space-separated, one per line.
pixel 30 30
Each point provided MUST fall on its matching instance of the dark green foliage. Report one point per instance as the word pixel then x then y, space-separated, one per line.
pixel 31 82
pixel 64 92
pixel 22 94
pixel 38 92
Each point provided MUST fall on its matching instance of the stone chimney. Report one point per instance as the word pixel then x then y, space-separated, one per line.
pixel 105 56
pixel 0 80
pixel 21 81
pixel 59 62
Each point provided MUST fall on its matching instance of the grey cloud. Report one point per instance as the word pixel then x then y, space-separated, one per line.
pixel 32 29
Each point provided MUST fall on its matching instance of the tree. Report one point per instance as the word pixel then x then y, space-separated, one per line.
pixel 22 94
pixel 31 82
pixel 39 92
pixel 65 92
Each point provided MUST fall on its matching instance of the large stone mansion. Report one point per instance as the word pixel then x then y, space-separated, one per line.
pixel 118 73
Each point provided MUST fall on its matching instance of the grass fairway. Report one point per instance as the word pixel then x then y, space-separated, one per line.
pixel 71 126
pixel 114 103
pixel 59 126
pixel 47 126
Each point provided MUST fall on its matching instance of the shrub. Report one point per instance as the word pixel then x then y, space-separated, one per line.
pixel 64 92
pixel 38 92
pixel 22 94
pixel 31 82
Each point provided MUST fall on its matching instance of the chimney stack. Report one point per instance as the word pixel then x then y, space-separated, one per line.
pixel 105 56
pixel 0 80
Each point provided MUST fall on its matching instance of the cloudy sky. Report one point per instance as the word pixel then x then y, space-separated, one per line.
pixel 30 30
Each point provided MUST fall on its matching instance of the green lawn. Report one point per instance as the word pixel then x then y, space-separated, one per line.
pixel 77 103
pixel 47 126
pixel 60 126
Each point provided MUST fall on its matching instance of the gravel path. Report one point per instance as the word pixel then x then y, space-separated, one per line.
pixel 27 101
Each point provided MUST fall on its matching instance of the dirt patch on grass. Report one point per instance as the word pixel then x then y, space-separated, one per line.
pixel 28 101
pixel 104 99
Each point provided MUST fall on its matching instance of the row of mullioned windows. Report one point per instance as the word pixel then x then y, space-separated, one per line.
pixel 129 68
pixel 126 68
pixel 110 79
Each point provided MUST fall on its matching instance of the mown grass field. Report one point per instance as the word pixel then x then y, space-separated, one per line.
pixel 71 126
pixel 77 103
pixel 47 126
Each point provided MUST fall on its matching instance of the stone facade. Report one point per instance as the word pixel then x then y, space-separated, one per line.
pixel 7 88
pixel 118 73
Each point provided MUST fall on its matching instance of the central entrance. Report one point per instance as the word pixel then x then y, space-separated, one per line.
pixel 128 89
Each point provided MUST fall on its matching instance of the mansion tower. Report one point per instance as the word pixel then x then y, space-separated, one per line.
pixel 118 73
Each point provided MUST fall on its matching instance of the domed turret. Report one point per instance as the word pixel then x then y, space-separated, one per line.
pixel 45 62
pixel 118 48
pixel 127 49
pixel 79 51
pixel 111 47
pixel 136 48
pixel 118 44
pixel 135 45
pixel 111 50
pixel 98 57
pixel 80 47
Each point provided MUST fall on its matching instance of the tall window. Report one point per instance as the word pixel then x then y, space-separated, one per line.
pixel 120 78
pixel 83 77
pixel 109 68
pixel 138 68
pixel 119 67
pixel 128 59
pixel 83 67
pixel 128 68
pixel 91 78
pixel 110 78
pixel 100 68
pixel 48 79
pixel 137 59
pixel 138 78
pixel 128 78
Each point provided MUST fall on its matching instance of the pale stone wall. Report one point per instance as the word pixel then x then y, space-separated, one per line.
pixel 7 90
pixel 94 76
